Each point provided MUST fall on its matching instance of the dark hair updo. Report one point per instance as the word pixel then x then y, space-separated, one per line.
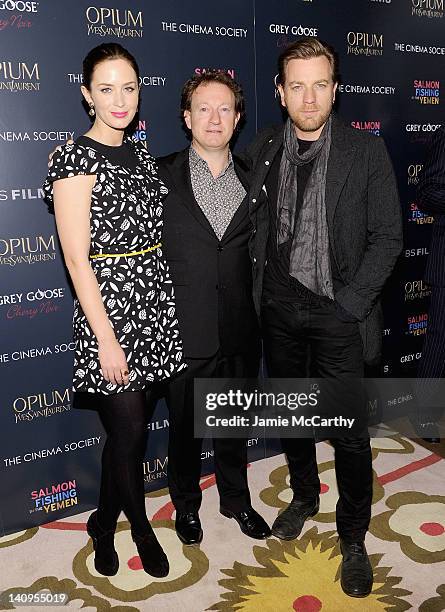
pixel 106 51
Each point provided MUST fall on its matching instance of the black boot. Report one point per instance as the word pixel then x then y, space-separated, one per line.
pixel 289 523
pixel 356 571
pixel 106 560
pixel 153 558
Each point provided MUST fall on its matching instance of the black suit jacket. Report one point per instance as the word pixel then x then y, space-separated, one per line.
pixel 431 199
pixel 212 278
pixel 363 215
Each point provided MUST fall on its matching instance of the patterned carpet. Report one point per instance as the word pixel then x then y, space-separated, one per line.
pixel 232 572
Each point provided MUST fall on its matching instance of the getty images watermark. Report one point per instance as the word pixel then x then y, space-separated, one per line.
pixel 265 402
pixel 320 408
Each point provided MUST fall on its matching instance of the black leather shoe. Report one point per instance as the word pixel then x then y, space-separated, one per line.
pixel 106 560
pixel 188 527
pixel 153 558
pixel 356 571
pixel 250 522
pixel 289 523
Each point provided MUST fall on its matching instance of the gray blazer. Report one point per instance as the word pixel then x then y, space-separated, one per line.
pixel 363 215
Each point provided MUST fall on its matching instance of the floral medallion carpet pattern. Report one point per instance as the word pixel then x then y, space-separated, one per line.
pixel 228 571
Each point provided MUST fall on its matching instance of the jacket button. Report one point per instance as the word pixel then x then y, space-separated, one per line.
pixel 254 260
pixel 267 163
pixel 220 248
pixel 254 200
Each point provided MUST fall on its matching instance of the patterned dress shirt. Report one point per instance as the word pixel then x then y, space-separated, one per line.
pixel 218 198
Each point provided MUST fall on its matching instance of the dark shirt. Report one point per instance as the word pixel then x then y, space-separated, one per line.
pixel 277 280
pixel 123 155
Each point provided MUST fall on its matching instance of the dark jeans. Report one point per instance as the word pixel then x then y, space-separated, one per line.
pixel 302 339
pixel 184 450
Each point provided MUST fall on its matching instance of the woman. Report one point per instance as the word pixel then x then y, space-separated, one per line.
pixel 107 200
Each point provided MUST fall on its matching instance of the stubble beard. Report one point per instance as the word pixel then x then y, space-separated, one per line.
pixel 311 124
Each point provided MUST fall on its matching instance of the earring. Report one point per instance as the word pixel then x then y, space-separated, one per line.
pixel 91 112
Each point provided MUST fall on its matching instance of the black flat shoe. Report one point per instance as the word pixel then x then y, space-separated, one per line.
pixel 356 571
pixel 188 527
pixel 250 522
pixel 288 524
pixel 106 560
pixel 153 558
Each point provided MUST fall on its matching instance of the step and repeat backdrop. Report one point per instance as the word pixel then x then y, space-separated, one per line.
pixel 392 62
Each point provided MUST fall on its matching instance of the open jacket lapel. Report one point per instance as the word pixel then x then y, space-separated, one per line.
pixel 180 173
pixel 273 145
pixel 242 210
pixel 341 158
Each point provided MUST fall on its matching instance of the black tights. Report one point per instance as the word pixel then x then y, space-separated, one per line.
pixel 125 417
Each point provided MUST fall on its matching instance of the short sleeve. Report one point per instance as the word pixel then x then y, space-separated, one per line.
pixel 151 164
pixel 70 160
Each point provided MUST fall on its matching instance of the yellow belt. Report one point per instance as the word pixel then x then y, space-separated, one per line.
pixel 101 255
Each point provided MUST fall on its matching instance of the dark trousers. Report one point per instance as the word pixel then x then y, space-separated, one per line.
pixel 302 339
pixel 184 450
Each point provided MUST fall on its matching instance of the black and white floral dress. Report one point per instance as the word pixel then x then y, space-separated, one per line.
pixel 137 291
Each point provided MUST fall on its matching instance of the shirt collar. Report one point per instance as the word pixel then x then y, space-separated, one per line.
pixel 199 164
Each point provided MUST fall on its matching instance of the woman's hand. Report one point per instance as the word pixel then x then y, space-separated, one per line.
pixel 113 362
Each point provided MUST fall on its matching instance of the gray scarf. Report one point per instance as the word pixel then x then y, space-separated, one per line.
pixel 309 255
